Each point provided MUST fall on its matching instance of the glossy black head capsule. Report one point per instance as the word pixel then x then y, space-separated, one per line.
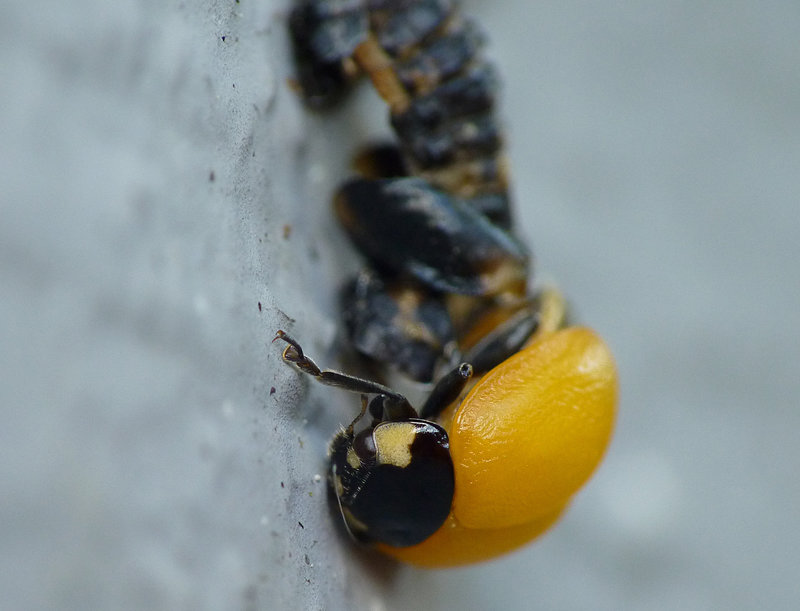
pixel 394 482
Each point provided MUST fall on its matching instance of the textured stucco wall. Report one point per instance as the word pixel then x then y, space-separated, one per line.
pixel 160 181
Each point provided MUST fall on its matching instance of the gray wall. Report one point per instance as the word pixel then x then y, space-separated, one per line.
pixel 160 182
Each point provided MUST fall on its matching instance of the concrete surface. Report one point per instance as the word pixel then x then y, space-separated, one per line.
pixel 164 211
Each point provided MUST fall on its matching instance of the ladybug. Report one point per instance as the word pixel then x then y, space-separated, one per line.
pixel 521 406
pixel 463 480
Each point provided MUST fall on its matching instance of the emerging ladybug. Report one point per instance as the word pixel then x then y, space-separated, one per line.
pixel 463 481
pixel 524 410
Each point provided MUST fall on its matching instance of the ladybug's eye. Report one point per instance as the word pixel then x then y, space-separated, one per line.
pixel 364 446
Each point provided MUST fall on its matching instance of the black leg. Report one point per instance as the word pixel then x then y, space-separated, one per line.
pixel 504 341
pixel 446 391
pixel 396 406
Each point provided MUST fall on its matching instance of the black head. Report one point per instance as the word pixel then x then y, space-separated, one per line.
pixel 394 481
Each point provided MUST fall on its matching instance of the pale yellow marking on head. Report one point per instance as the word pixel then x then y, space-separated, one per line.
pixel 352 458
pixel 393 443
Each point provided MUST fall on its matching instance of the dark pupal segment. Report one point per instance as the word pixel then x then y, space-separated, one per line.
pixel 325 33
pixel 401 25
pixel 406 226
pixel 452 122
pixel 394 481
pixel 397 322
pixel 442 59
pixel 337 28
pixel 386 161
pixel 382 160
pixel 494 206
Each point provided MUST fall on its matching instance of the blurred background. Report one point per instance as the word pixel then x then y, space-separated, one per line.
pixel 164 212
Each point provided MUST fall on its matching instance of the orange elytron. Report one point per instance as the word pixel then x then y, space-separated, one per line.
pixel 524 440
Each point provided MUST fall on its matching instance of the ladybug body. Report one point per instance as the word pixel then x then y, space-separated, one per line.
pixel 465 480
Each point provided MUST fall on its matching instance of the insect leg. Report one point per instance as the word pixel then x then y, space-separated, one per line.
pixel 395 405
pixel 446 391
pixel 504 341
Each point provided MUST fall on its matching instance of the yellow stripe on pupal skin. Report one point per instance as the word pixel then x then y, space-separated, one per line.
pixel 552 313
pixel 393 443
